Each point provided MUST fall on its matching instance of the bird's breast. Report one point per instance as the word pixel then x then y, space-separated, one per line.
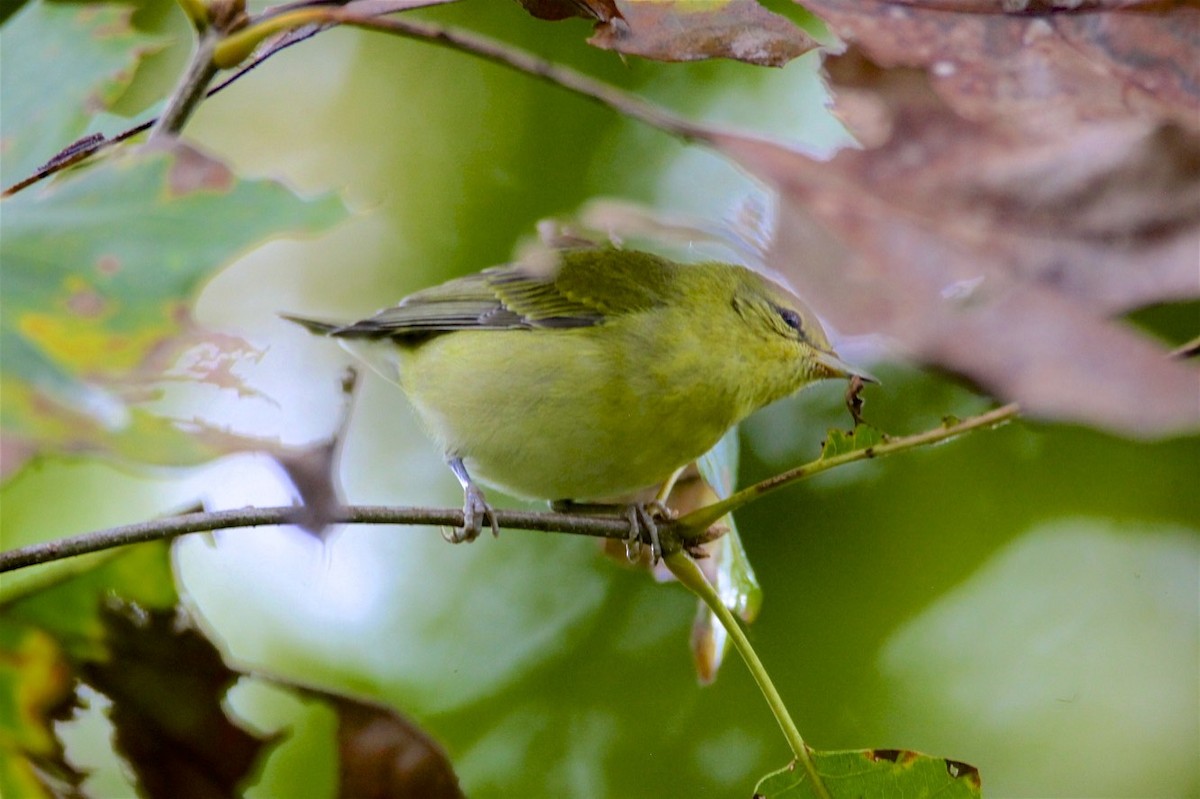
pixel 565 414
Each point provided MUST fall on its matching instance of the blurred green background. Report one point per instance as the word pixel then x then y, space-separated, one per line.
pixel 1025 599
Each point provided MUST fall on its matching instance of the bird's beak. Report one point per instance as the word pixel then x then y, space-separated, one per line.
pixel 830 365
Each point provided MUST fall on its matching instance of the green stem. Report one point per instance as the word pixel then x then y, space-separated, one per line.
pixel 693 527
pixel 237 47
pixel 689 574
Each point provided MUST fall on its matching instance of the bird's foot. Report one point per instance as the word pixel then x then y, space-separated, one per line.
pixel 475 508
pixel 643 518
pixel 643 524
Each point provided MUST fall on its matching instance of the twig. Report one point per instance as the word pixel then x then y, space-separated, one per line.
pixel 169 527
pixel 191 88
pixel 94 144
pixel 695 525
pixel 691 529
pixel 623 102
pixel 235 47
pixel 306 20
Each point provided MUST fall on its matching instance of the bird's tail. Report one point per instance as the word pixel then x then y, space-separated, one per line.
pixel 313 325
pixel 362 345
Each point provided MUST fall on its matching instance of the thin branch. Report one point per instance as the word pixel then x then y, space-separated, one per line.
pixel 305 20
pixel 232 49
pixel 623 102
pixel 694 528
pixel 169 527
pixel 95 143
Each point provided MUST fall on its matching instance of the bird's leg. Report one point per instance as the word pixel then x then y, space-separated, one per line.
pixel 660 500
pixel 475 507
pixel 641 519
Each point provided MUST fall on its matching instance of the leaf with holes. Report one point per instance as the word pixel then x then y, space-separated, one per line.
pixel 875 772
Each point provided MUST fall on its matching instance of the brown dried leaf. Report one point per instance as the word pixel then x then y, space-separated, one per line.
pixel 383 755
pixel 1036 71
pixel 313 469
pixel 167 683
pixel 1072 210
pixel 554 10
pixel 692 31
pixel 998 252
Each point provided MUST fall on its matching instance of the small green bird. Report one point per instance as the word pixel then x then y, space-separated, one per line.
pixel 592 377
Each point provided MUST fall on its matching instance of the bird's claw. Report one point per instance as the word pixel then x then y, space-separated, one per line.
pixel 475 510
pixel 643 519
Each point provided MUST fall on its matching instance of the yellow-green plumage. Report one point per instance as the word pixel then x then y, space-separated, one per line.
pixel 598 376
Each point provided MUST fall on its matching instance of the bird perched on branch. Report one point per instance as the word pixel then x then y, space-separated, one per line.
pixel 591 376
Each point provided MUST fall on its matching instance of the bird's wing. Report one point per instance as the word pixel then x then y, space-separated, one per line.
pixel 583 288
pixel 460 304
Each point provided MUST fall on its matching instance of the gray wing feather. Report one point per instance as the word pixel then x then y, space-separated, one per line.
pixel 500 298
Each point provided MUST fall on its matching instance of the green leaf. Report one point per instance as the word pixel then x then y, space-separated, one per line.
pixel 45 633
pixel 99 272
pixel 69 608
pixel 895 773
pixel 843 442
pixel 381 752
pixel 62 63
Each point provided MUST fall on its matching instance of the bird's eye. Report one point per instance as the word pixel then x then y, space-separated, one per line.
pixel 791 319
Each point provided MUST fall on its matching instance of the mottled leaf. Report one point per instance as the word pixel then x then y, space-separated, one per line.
pixel 99 273
pixel 35 690
pixel 116 625
pixel 693 30
pixel 875 772
pixel 119 627
pixel 62 63
pixel 48 628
